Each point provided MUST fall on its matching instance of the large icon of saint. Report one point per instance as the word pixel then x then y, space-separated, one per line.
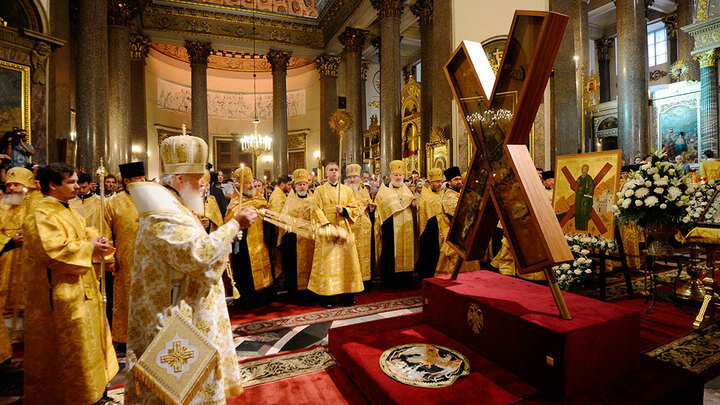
pixel 584 199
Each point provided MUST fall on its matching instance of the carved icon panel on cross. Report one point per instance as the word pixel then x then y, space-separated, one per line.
pixel 502 181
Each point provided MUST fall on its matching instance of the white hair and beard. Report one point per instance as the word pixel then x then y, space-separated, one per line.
pixel 193 198
pixel 301 193
pixel 397 183
pixel 355 186
pixel 251 192
pixel 14 198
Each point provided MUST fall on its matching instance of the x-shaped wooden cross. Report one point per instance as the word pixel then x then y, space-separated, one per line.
pixel 574 186
pixel 502 181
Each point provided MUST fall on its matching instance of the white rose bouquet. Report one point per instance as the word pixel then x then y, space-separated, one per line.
pixel 699 202
pixel 579 273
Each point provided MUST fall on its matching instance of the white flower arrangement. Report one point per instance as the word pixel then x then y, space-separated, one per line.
pixel 579 273
pixel 699 201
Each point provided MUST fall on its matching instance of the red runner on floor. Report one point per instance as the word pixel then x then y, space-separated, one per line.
pixel 665 323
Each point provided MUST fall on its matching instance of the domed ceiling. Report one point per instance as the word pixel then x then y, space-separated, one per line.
pixel 305 8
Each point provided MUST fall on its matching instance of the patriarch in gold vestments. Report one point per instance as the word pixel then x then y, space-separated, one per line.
pixel 336 274
pixel 177 261
pixel 362 227
pixel 251 258
pixel 395 224
pixel 13 210
pixel 449 258
pixel 121 224
pixel 297 252
pixel 69 357
pixel 429 208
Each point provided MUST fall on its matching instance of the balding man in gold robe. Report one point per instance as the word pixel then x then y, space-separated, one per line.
pixel 395 221
pixel 250 260
pixel 429 208
pixel 362 227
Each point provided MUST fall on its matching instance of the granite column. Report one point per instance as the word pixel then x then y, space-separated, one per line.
pixel 442 49
pixel 138 115
pixel 327 66
pixel 279 62
pixel 582 59
pixel 423 9
pixel 633 137
pixel 604 48
pixel 354 40
pixel 364 66
pixel 390 138
pixel 199 53
pixel 708 100
pixel 686 42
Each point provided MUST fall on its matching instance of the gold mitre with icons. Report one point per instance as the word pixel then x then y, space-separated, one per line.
pixel 397 167
pixel 183 154
pixel 353 169
pixel 301 175
pixel 177 361
pixel 22 176
pixel 435 174
pixel 243 174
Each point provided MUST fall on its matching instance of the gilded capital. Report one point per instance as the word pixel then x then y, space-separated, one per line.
pixel 423 10
pixel 707 59
pixel 121 12
pixel 408 72
pixel 139 46
pixel 327 65
pixel 198 51
pixel 702 6
pixel 364 66
pixel 388 8
pixel 278 60
pixel 353 39
pixel 670 22
pixel 604 47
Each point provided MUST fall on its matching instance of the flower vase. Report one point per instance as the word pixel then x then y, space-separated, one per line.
pixel 660 234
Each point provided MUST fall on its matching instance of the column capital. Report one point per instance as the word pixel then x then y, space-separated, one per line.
pixel 423 9
pixel 388 8
pixel 327 65
pixel 364 66
pixel 353 39
pixel 121 12
pixel 408 72
pixel 604 47
pixel 671 25
pixel 707 59
pixel 198 51
pixel 139 46
pixel 278 60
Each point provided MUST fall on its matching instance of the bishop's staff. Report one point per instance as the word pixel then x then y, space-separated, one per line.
pixel 340 122
pixel 101 173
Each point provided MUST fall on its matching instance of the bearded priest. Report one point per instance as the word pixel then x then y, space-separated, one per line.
pixel 362 227
pixel 177 260
pixel 250 260
pixel 449 258
pixel 395 205
pixel 429 208
pixel 297 252
pixel 335 275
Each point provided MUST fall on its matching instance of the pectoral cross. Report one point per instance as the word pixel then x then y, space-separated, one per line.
pixel 502 181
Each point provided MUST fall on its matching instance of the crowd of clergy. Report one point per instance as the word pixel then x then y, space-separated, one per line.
pixel 179 239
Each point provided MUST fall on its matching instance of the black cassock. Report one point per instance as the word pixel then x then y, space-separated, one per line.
pixel 387 258
pixel 429 250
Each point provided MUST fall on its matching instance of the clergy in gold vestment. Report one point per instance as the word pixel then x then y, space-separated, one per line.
pixel 395 221
pixel 297 252
pixel 449 258
pixel 429 208
pixel 362 227
pixel 13 209
pixel 251 258
pixel 69 357
pixel 177 260
pixel 121 219
pixel 335 275
pixel 276 201
pixel 87 203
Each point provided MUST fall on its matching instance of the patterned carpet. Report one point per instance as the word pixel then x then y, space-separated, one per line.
pixel 697 352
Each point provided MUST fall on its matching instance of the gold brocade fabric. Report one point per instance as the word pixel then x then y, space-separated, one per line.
pixel 212 212
pixel 631 238
pixel 395 202
pixel 449 258
pixel 275 203
pixel 428 207
pixel 121 219
pixel 69 357
pixel 258 251
pixel 11 302
pixel 703 235
pixel 277 200
pixel 173 247
pixel 297 207
pixel 89 208
pixel 710 169
pixel 336 268
pixel 362 229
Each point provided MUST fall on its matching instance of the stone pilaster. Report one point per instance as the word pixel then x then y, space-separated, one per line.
pixel 708 100
pixel 120 14
pixel 327 66
pixel 199 53
pixel 671 30
pixel 92 84
pixel 139 47
pixel 354 41
pixel 604 48
pixel 279 62
pixel 633 136
pixel 364 66
pixel 423 9
pixel 389 12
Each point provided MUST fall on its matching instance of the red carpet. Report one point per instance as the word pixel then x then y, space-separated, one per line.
pixel 329 386
pixel 663 324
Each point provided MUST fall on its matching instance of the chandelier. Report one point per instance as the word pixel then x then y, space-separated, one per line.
pixel 255 143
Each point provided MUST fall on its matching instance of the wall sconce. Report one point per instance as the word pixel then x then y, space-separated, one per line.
pixel 136 149
pixel 267 158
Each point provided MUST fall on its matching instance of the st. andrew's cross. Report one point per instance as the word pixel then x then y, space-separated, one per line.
pixel 574 186
pixel 502 181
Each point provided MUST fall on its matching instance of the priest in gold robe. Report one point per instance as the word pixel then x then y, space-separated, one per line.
pixel 449 258
pixel 362 227
pixel 87 203
pixel 121 223
pixel 297 252
pixel 280 193
pixel 250 259
pixel 69 357
pixel 429 208
pixel 336 274
pixel 177 261
pixel 13 210
pixel 395 221
pixel 211 218
pixel 276 201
